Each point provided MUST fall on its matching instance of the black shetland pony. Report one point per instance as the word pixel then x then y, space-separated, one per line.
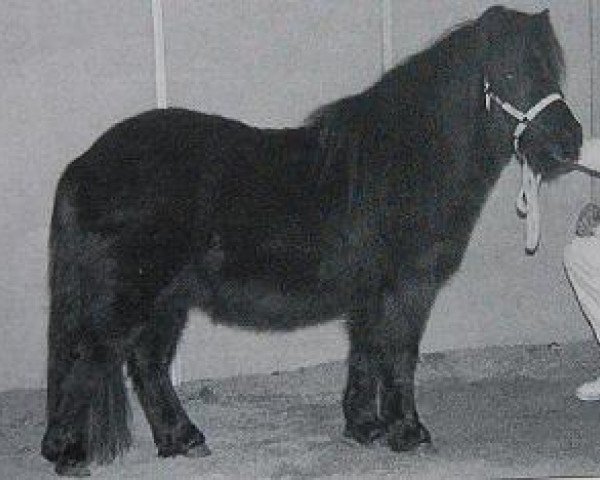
pixel 364 211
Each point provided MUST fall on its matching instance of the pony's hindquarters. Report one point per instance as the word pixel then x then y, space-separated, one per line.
pixel 124 227
pixel 87 408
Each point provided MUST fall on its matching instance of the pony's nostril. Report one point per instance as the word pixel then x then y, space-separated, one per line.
pixel 568 153
pixel 570 143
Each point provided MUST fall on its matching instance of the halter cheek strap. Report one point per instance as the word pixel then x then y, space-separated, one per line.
pixel 527 199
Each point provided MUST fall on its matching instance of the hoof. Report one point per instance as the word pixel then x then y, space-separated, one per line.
pixel 364 434
pixel 54 443
pixel 50 450
pixel 198 451
pixel 405 436
pixel 191 444
pixel 425 436
pixel 68 468
pixel 69 457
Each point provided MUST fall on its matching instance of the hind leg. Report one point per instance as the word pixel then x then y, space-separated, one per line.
pixel 90 391
pixel 87 403
pixel 360 403
pixel 399 336
pixel 59 366
pixel 65 440
pixel 173 431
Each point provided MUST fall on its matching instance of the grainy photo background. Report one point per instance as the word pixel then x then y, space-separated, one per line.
pixel 70 69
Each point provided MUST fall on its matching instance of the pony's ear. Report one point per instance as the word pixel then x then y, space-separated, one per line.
pixel 545 14
pixel 493 18
pixel 491 24
pixel 490 28
pixel 542 18
pixel 540 22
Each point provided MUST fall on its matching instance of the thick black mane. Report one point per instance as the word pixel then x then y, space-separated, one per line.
pixel 425 120
pixel 400 117
pixel 420 85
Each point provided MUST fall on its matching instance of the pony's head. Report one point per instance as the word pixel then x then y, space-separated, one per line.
pixel 522 75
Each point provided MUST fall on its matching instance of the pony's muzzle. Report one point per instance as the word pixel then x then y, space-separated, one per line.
pixel 552 141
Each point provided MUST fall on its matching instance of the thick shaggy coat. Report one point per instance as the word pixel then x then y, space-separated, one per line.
pixel 365 211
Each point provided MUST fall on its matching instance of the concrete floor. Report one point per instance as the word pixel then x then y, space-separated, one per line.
pixel 503 412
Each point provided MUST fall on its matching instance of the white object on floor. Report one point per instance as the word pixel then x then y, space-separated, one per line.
pixel 589 391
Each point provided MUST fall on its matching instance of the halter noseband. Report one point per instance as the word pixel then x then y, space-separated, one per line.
pixel 523 118
pixel 527 199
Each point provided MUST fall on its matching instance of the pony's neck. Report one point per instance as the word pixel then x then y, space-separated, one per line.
pixel 467 137
pixel 466 155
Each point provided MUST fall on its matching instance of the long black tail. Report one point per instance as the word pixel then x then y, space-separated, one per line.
pixel 94 408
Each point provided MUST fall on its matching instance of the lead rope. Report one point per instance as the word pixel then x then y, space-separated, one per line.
pixel 528 205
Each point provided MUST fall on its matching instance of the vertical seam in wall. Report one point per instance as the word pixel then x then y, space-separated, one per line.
pixel 593 65
pixel 387 50
pixel 159 54
pixel 176 369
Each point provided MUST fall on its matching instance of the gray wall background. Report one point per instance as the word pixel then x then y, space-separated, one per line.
pixel 72 68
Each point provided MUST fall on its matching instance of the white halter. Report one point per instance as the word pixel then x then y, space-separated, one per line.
pixel 527 200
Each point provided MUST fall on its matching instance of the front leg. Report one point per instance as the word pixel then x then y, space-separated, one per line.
pixel 363 423
pixel 398 408
pixel 400 334
pixel 361 405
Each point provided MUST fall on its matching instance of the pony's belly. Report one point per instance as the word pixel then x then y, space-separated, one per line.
pixel 265 305
pixel 271 291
